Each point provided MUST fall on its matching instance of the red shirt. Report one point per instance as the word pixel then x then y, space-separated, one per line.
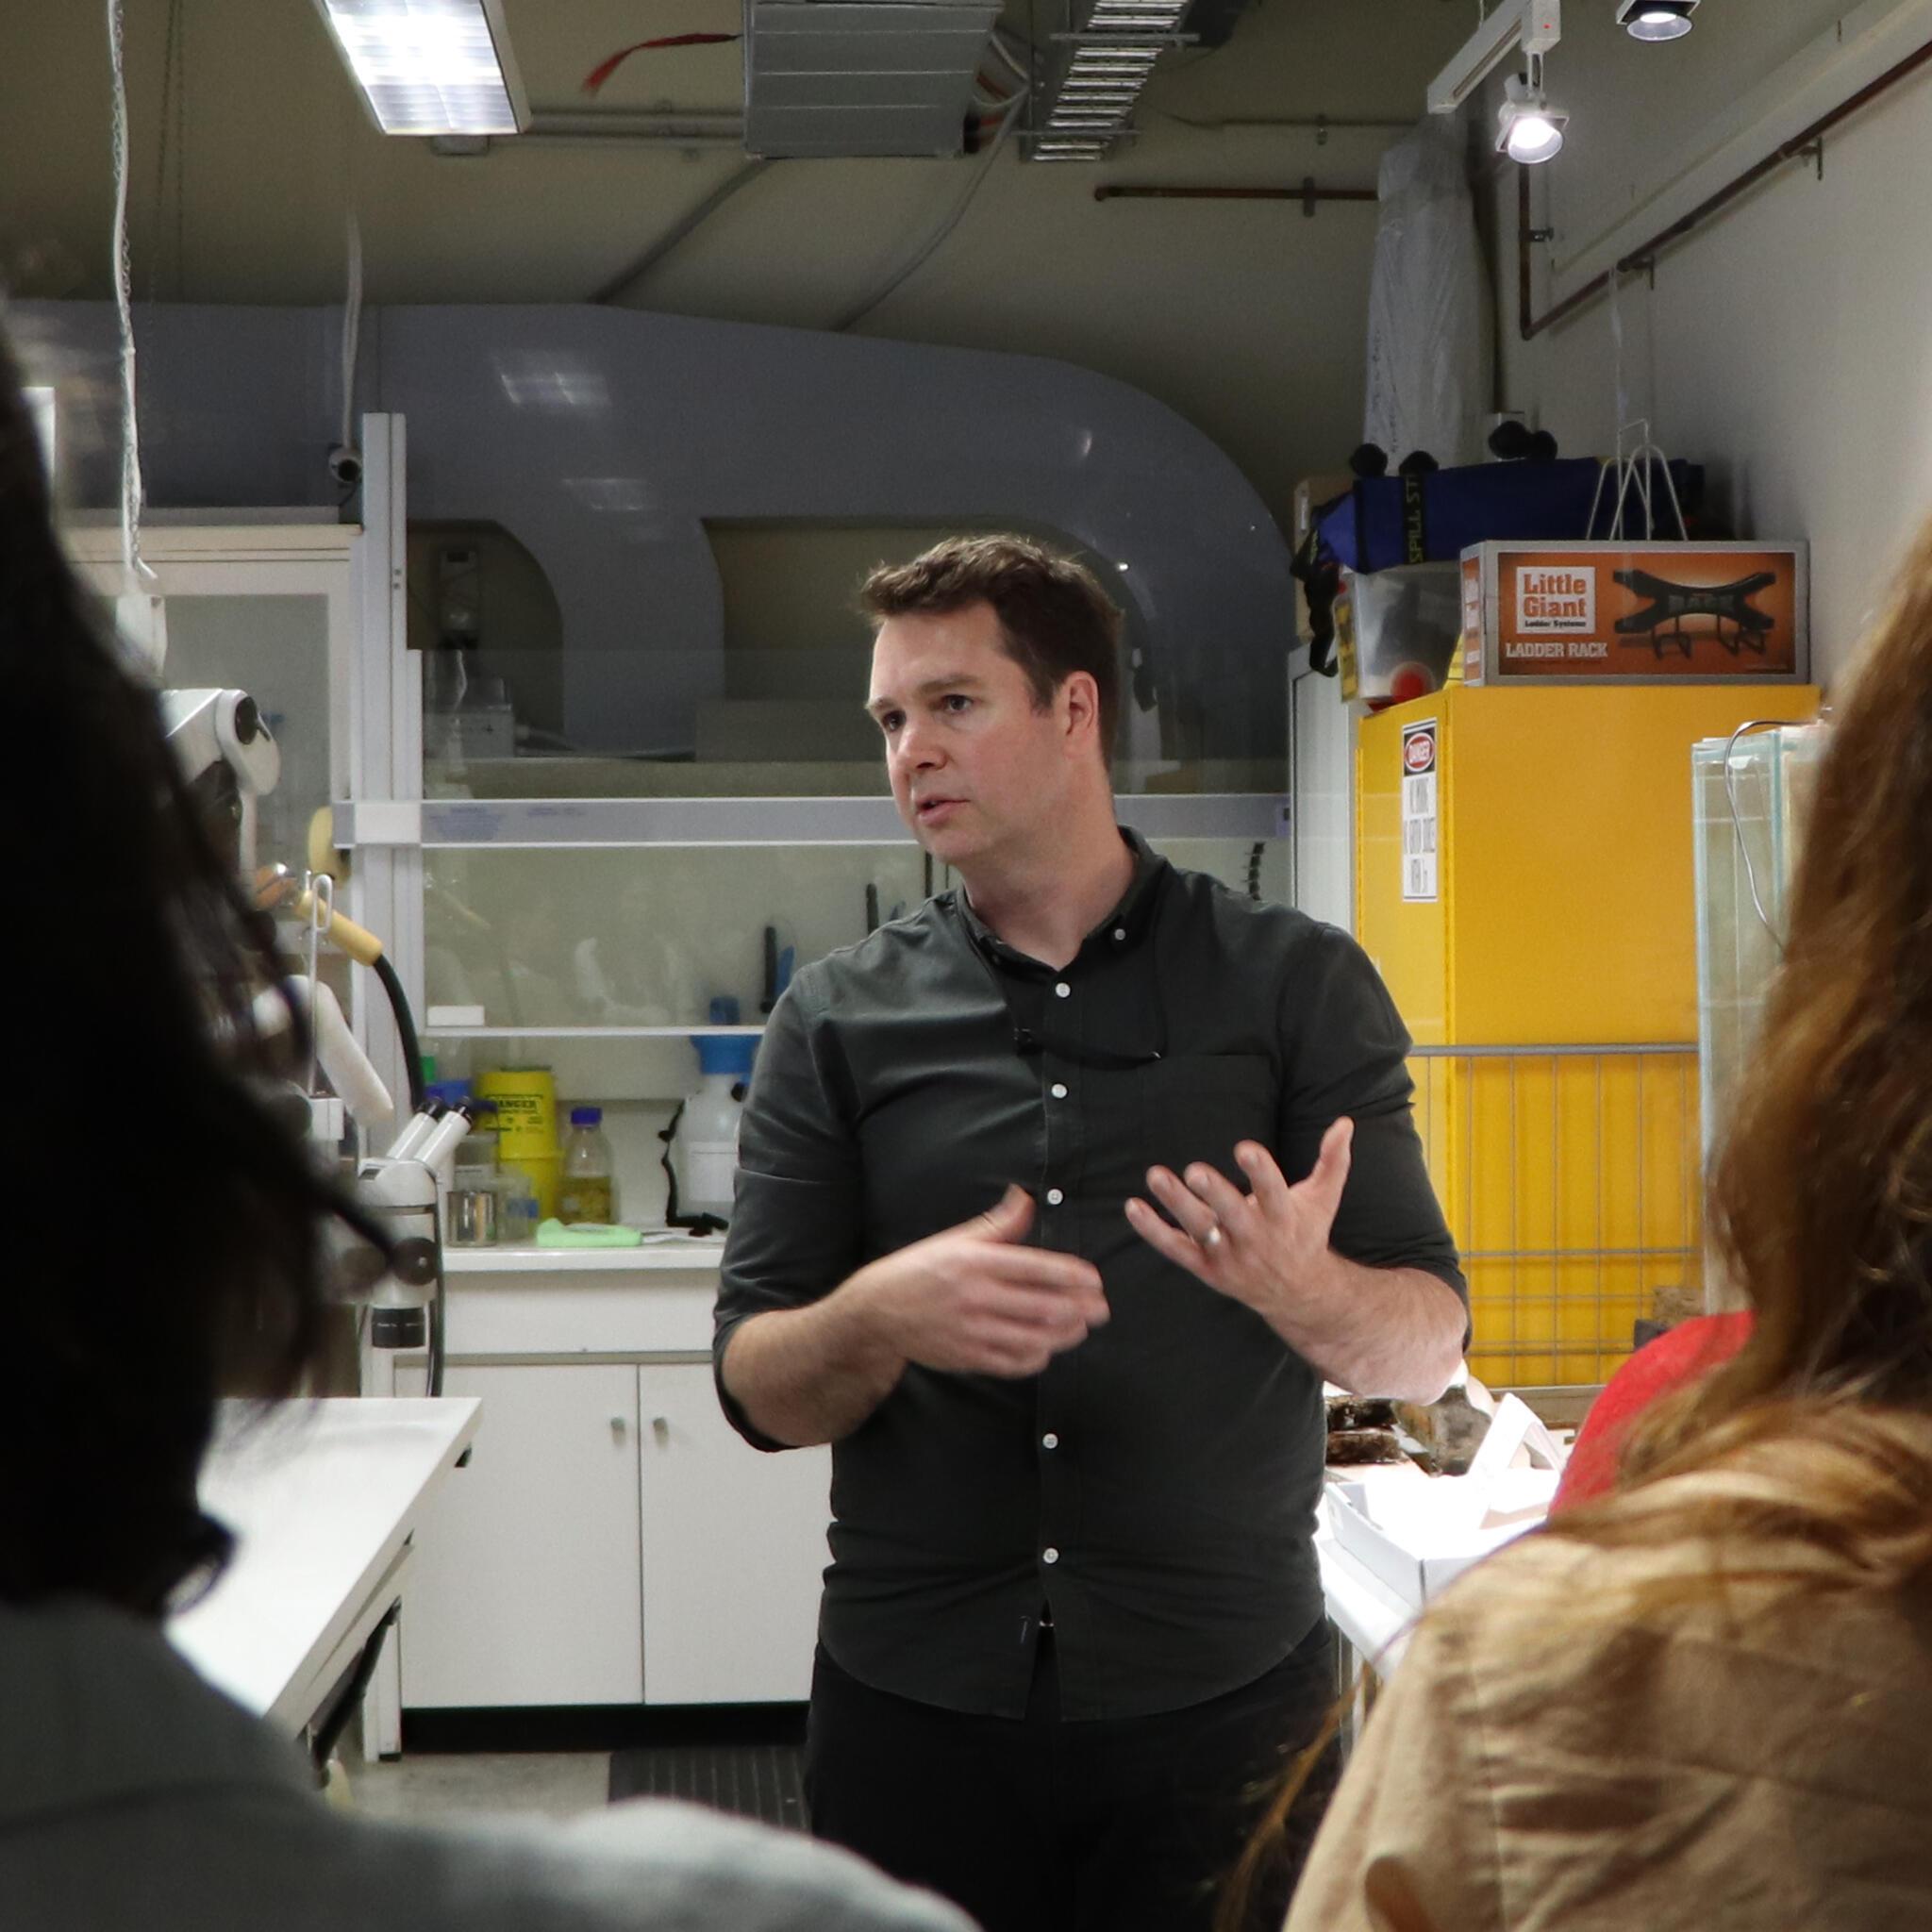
pixel 1680 1355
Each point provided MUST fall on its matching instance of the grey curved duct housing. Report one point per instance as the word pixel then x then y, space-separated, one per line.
pixel 603 440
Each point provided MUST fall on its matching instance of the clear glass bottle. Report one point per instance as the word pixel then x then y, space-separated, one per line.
pixel 517 1209
pixel 586 1191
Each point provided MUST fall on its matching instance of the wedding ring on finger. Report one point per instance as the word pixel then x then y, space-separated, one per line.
pixel 1211 1240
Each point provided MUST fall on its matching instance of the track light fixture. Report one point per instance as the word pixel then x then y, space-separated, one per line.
pixel 1535 25
pixel 1528 129
pixel 1656 20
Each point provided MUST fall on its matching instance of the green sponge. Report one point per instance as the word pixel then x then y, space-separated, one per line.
pixel 587 1233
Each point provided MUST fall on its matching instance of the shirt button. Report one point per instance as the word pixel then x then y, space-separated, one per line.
pixel 1049 1440
pixel 1063 989
pixel 1059 1092
pixel 1054 1197
pixel 1119 932
pixel 1049 1555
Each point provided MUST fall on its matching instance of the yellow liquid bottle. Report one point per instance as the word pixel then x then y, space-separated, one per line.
pixel 584 1191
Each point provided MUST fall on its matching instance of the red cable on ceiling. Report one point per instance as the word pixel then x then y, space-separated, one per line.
pixel 604 69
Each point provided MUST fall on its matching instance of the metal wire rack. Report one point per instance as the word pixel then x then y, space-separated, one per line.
pixel 1571 1178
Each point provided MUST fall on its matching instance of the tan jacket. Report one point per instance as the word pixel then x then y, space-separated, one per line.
pixel 1542 1759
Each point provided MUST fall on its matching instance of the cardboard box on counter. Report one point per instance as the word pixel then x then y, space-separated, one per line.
pixel 1317 493
pixel 1644 613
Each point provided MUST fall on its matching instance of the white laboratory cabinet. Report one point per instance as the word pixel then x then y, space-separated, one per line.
pixel 524 1585
pixel 612 1540
pixel 734 1550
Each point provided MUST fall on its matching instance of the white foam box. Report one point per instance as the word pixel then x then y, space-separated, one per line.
pixel 1419 1545
pixel 1418 1537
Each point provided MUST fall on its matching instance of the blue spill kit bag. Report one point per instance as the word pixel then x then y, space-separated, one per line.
pixel 1386 521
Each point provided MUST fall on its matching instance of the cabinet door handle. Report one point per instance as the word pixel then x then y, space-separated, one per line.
pixel 660 1427
pixel 617 1427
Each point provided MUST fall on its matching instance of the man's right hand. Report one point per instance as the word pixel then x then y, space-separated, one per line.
pixel 973 1300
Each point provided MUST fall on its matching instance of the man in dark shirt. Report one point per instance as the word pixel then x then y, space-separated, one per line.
pixel 1056 1202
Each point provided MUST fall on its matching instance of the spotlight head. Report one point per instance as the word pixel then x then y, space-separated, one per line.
pixel 1656 20
pixel 1528 129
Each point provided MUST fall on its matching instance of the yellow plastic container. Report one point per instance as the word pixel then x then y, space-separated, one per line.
pixel 525 1103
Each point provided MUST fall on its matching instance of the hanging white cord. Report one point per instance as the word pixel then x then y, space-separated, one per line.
pixel 1022 75
pixel 899 277
pixel 1617 350
pixel 1750 724
pixel 130 427
pixel 352 331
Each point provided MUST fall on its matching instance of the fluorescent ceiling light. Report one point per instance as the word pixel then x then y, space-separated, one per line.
pixel 430 66
pixel 1535 25
pixel 1656 20
pixel 1528 128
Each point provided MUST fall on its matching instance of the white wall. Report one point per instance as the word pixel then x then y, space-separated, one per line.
pixel 1786 343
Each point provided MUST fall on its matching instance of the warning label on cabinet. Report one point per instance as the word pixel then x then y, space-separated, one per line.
pixel 1418 813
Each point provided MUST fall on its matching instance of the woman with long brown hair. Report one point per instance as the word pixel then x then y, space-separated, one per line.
pixel 1706 1701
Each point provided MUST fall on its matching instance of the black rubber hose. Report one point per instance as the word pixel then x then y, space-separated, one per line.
pixel 438 1312
pixel 406 1031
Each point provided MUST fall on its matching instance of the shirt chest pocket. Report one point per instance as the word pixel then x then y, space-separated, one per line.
pixel 1195 1107
pixel 1183 1108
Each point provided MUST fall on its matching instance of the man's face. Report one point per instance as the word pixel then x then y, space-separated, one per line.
pixel 977 769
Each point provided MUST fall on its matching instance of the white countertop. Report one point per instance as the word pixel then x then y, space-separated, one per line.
pixel 680 1253
pixel 322 1497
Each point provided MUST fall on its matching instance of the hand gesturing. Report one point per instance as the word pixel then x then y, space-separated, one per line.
pixel 1265 1248
pixel 975 1299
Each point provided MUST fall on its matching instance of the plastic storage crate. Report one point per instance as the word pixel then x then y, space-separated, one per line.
pixel 1746 844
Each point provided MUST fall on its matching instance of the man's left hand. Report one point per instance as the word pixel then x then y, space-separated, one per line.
pixel 1267 1248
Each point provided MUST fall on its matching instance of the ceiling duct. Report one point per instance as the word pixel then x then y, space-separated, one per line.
pixel 1100 67
pixel 843 78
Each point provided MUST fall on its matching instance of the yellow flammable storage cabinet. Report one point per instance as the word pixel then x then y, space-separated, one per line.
pixel 1525 885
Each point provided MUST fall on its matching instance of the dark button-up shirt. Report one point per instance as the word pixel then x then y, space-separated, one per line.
pixel 1153 1492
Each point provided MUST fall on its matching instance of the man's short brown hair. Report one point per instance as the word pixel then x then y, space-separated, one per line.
pixel 1054 616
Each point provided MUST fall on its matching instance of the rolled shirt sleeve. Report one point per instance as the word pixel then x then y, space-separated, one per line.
pixel 1346 1054
pixel 794 1233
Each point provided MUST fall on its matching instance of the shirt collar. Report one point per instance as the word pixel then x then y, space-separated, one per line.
pixel 1122 928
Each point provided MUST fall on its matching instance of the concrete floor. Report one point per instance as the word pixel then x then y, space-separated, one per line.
pixel 423 1786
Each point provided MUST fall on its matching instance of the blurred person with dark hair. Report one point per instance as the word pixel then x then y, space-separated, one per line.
pixel 1077 1440
pixel 1703 1699
pixel 132 1795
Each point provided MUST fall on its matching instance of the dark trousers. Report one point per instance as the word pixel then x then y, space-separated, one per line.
pixel 1110 1825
